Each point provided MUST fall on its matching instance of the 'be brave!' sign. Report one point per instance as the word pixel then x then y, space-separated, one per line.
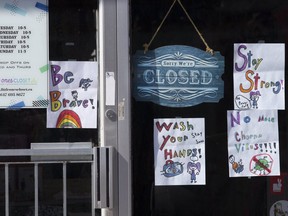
pixel 178 76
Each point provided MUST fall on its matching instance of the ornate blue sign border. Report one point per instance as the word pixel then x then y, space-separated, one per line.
pixel 178 76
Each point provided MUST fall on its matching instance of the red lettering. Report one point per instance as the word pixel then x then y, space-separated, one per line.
pixel 164 142
pixel 160 127
pixel 166 153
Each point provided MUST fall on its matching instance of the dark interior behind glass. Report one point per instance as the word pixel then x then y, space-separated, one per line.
pixel 72 36
pixel 222 23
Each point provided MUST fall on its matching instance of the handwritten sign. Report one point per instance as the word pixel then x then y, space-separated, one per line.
pixel 253 143
pixel 179 151
pixel 24 54
pixel 259 76
pixel 73 95
pixel 178 76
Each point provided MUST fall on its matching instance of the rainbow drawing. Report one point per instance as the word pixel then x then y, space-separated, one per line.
pixel 68 119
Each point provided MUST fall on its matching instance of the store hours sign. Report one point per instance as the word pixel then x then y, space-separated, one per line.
pixel 178 76
pixel 24 53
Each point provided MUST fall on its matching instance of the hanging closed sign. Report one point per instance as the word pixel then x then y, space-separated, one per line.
pixel 178 76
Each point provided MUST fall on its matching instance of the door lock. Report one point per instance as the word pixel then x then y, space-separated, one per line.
pixel 111 115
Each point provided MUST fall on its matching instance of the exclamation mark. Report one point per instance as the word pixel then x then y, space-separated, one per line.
pixel 261 147
pixel 199 150
pixel 265 144
pixel 270 148
pixel 275 147
pixel 92 101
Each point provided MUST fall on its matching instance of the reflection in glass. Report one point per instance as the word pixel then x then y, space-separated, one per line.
pixel 21 190
pixel 50 189
pixel 79 189
pixel 2 190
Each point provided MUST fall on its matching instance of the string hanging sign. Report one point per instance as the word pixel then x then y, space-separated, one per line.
pixel 178 75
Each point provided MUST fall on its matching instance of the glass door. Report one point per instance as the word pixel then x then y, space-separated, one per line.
pixel 48 184
pixel 41 186
pixel 222 23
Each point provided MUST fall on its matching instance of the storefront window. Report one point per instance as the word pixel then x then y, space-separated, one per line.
pixel 222 23
pixel 71 36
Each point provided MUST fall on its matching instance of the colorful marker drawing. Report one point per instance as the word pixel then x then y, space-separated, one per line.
pixel 171 168
pixel 193 168
pixel 68 119
pixel 238 167
pixel 253 143
pixel 258 74
pixel 73 87
pixel 85 83
pixel 179 151
pixel 254 97
pixel 261 164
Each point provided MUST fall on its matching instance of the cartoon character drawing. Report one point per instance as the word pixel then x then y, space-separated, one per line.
pixel 261 165
pixel 193 168
pixel 171 168
pixel 237 167
pixel 75 95
pixel 85 83
pixel 254 97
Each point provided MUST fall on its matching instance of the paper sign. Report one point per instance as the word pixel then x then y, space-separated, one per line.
pixel 73 95
pixel 259 76
pixel 179 151
pixel 253 143
pixel 24 53
pixel 110 88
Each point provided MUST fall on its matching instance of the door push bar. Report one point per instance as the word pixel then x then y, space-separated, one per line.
pixel 103 170
pixel 101 159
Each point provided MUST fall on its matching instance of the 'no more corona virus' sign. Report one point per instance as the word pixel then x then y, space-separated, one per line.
pixel 178 76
